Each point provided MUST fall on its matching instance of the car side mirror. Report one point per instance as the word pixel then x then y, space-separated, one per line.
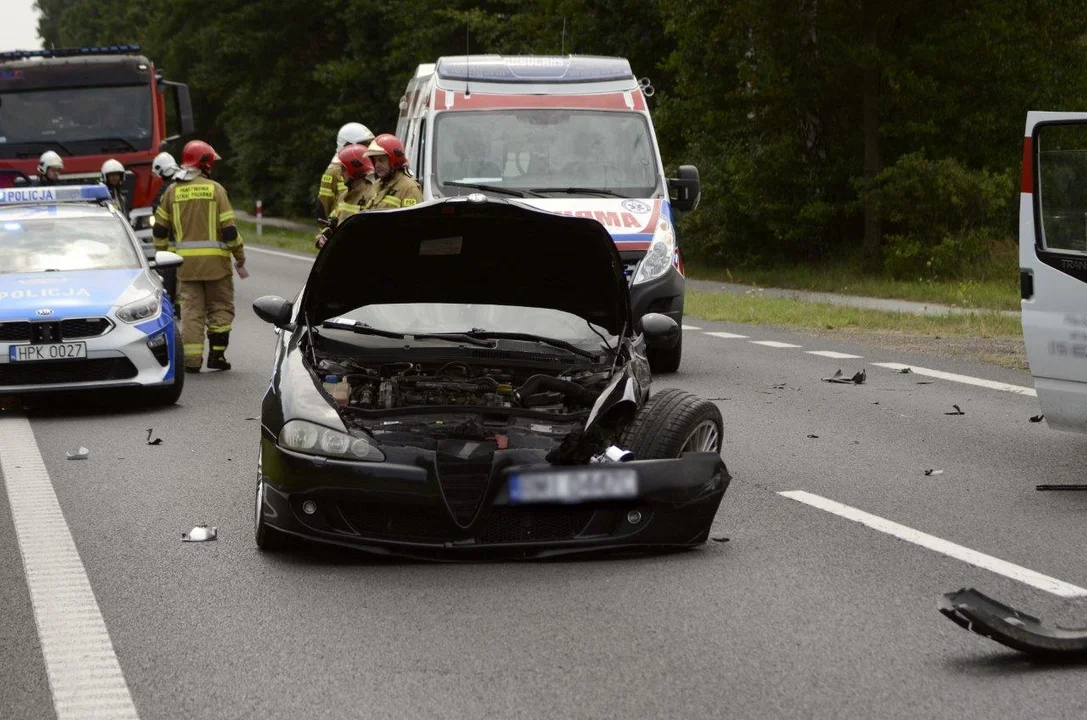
pixel 660 330
pixel 685 190
pixel 273 309
pixel 164 259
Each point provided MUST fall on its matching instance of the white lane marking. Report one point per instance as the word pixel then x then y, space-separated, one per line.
pixel 84 675
pixel 774 344
pixel 944 547
pixel 834 354
pixel 727 336
pixel 691 327
pixel 291 256
pixel 965 379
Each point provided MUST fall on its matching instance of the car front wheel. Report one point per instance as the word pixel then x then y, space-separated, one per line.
pixel 671 423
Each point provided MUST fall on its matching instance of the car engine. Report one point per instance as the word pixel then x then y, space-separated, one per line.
pixel 460 384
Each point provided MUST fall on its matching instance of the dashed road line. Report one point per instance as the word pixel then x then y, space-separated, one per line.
pixel 727 335
pixel 290 256
pixel 85 678
pixel 691 327
pixel 965 379
pixel 774 344
pixel 944 547
pixel 834 354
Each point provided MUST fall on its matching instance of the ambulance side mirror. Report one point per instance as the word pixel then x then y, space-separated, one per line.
pixel 685 190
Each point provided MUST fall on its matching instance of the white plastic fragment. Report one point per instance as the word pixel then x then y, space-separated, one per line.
pixel 200 533
pixel 81 454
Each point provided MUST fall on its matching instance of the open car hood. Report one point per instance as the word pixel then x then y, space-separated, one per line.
pixel 459 250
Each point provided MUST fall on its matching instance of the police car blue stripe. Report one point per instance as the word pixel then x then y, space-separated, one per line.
pixel 65 294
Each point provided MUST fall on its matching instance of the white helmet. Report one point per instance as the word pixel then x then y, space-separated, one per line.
pixel 49 159
pixel 353 133
pixel 164 165
pixel 111 166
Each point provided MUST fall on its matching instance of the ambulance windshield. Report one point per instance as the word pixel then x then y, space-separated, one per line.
pixel 609 152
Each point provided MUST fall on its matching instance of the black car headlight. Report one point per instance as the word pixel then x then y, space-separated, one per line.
pixel 313 439
pixel 143 222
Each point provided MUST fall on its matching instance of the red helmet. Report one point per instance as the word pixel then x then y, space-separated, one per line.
pixel 390 145
pixel 198 154
pixel 355 163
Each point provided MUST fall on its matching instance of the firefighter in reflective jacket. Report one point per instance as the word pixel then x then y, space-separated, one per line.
pixel 395 188
pixel 358 173
pixel 165 167
pixel 198 210
pixel 332 185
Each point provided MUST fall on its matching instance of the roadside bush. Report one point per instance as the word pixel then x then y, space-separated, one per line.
pixel 943 220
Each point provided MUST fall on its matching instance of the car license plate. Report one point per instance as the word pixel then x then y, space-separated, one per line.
pixel 52 351
pixel 573 486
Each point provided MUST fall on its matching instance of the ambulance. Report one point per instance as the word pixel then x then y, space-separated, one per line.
pixel 570 135
pixel 1053 264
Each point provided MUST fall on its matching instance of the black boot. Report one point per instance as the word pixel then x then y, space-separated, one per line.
pixel 217 360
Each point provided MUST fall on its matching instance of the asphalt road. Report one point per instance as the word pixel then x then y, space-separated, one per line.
pixel 801 613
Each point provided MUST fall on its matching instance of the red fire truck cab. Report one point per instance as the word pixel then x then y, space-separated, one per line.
pixel 90 104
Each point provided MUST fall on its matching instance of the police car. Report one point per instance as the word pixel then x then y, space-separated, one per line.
pixel 81 305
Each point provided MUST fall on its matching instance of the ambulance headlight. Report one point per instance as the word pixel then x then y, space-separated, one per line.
pixel 142 309
pixel 661 252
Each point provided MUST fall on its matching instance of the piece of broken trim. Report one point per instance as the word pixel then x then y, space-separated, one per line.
pixel 80 454
pixel 200 533
pixel 838 377
pixel 958 411
pixel 1037 418
pixel 979 613
pixel 156 441
pixel 934 472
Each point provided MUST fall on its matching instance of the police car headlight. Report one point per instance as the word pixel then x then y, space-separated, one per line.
pixel 661 252
pixel 306 437
pixel 145 307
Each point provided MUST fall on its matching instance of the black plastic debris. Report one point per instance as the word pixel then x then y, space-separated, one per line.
pixel 200 533
pixel 814 437
pixel 925 382
pixel 81 454
pixel 252 418
pixel 1037 418
pixel 979 613
pixel 934 472
pixel 156 441
pixel 721 539
pixel 958 411
pixel 856 379
pixel 905 371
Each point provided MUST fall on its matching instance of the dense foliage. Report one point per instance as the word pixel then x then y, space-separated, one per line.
pixel 802 115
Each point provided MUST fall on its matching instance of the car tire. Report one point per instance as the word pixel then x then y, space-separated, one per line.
pixel 268 539
pixel 664 361
pixel 671 423
pixel 170 394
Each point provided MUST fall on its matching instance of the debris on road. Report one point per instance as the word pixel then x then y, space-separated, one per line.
pixel 838 377
pixel 251 417
pixel 905 371
pixel 814 437
pixel 721 539
pixel 200 533
pixel 934 472
pixel 958 411
pixel 925 382
pixel 80 454
pixel 979 613
pixel 156 441
pixel 1037 418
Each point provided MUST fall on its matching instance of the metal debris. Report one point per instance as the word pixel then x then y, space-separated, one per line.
pixel 200 533
pixel 156 441
pixel 1037 418
pixel 838 377
pixel 934 472
pixel 80 454
pixel 958 411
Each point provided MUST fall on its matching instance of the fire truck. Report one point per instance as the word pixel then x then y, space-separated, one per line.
pixel 90 104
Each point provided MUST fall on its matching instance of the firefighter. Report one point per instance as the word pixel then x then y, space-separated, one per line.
pixel 395 187
pixel 113 177
pixel 332 186
pixel 198 210
pixel 358 177
pixel 165 167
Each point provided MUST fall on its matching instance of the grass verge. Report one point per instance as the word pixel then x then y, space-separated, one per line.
pixel 993 293
pixel 785 312
pixel 274 237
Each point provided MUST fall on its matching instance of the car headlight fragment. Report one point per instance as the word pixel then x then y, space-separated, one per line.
pixel 661 252
pixel 313 439
pixel 142 309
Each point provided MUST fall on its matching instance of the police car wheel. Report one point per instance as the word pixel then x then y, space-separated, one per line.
pixel 665 360
pixel 171 393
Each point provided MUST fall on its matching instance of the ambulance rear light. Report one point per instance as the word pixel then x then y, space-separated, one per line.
pixel 53 195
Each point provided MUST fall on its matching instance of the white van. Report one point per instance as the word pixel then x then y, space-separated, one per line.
pixel 569 135
pixel 1053 263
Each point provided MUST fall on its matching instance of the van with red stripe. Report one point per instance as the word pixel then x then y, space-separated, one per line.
pixel 570 135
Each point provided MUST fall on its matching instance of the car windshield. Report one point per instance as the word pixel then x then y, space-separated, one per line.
pixel 426 318
pixel 554 149
pixel 75 121
pixel 50 244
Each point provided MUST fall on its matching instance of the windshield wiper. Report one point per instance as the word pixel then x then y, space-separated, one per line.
pixel 493 335
pixel 363 329
pixel 491 188
pixel 579 191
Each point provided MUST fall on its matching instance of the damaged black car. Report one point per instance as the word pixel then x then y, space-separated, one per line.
pixel 463 380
